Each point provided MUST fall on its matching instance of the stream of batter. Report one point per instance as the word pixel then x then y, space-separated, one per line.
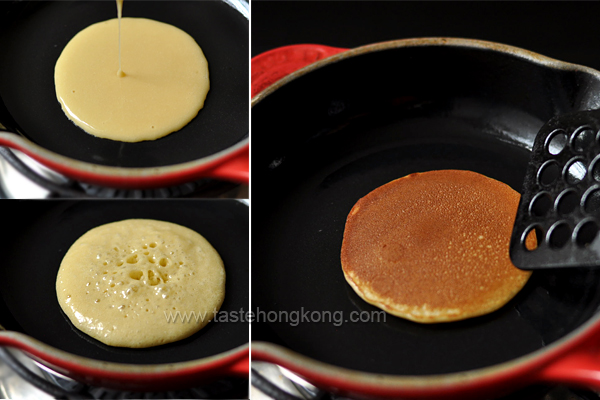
pixel 155 84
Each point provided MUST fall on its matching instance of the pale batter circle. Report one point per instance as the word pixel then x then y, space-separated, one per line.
pixel 165 84
pixel 140 283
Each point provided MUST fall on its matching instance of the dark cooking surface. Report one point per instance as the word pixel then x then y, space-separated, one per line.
pixel 33 249
pixel 38 31
pixel 357 124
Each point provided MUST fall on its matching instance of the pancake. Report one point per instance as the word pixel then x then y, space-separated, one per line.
pixel 158 88
pixel 434 246
pixel 135 283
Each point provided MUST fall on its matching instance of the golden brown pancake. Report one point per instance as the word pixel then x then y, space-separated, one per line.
pixel 434 246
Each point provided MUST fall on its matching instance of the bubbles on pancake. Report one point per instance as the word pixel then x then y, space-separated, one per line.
pixel 149 263
pixel 136 274
pixel 136 270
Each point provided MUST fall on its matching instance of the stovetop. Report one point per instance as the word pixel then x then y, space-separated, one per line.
pixel 301 389
pixel 13 386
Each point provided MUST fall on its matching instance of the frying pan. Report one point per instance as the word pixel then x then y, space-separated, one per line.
pixel 357 119
pixel 34 322
pixel 214 144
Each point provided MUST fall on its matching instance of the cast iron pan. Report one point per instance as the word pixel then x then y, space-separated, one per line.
pixel 35 33
pixel 33 249
pixel 365 117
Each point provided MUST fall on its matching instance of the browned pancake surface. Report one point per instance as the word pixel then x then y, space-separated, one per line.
pixel 434 246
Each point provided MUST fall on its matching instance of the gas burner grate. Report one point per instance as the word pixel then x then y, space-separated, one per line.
pixel 31 374
pixel 232 388
pixel 201 188
pixel 273 382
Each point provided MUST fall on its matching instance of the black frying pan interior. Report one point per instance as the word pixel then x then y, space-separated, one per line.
pixel 33 249
pixel 36 33
pixel 360 123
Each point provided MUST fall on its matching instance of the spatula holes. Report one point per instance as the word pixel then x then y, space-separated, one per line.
pixel 582 138
pixel 558 235
pixel 530 239
pixel 591 201
pixel 595 168
pixel 575 171
pixel 586 232
pixel 541 203
pixel 548 173
pixel 556 142
pixel 567 201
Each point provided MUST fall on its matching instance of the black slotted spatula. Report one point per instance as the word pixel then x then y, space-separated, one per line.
pixel 560 200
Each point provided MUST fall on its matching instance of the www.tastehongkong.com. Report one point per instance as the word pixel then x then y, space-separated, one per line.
pixel 292 318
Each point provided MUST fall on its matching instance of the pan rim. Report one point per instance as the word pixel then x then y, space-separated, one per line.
pixel 523 367
pixel 128 177
pixel 73 362
pixel 233 362
pixel 518 52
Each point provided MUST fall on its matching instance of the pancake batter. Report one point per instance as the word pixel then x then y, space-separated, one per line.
pixel 120 282
pixel 156 87
pixel 434 246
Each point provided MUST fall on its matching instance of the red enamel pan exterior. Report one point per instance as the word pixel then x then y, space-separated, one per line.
pixel 273 65
pixel 573 360
pixel 230 164
pixel 132 377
